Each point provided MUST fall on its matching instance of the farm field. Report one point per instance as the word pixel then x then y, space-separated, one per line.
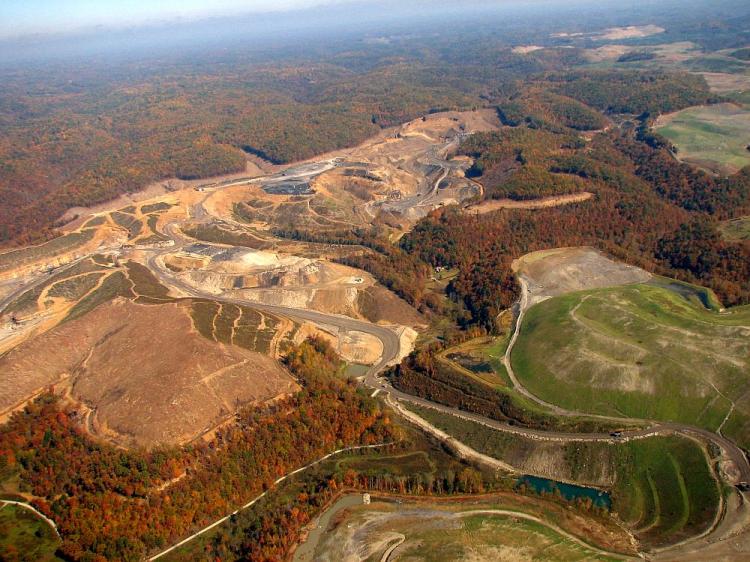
pixel 713 137
pixel 647 351
pixel 661 487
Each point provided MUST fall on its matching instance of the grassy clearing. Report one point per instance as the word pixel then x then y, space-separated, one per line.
pixel 662 487
pixel 665 489
pixel 715 137
pixel 224 323
pixel 203 314
pixel 128 222
pixel 156 208
pixel 152 221
pixel 642 351
pixel 446 533
pixel 96 221
pixel 717 63
pixel 396 465
pixel 499 536
pixel 25 537
pixel 232 324
pixel 217 235
pixel 485 355
pixel 27 301
pixel 497 444
pixel 737 229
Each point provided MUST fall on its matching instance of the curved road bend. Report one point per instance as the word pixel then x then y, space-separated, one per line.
pixel 42 278
pixel 731 449
pixel 391 348
pixel 262 495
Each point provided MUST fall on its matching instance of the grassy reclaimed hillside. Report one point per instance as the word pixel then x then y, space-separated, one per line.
pixel 661 487
pixel 714 137
pixel 650 351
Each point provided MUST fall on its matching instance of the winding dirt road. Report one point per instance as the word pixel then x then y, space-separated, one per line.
pixel 252 502
pixel 391 351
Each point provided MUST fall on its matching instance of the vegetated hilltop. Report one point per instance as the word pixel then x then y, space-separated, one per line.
pixel 622 351
pixel 115 129
pixel 648 209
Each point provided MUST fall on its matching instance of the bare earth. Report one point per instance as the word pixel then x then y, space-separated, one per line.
pixel 555 272
pixel 146 374
pixel 631 32
pixel 541 203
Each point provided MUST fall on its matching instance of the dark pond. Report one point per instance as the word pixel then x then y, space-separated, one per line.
pixel 570 492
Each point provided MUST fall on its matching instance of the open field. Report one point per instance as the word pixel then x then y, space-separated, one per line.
pixel 649 351
pixel 736 229
pixel 49 250
pixel 713 137
pixel 727 83
pixel 664 55
pixel 445 531
pixel 25 537
pixel 481 360
pixel 661 487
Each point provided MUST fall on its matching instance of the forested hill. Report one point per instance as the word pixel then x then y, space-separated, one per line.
pixel 77 134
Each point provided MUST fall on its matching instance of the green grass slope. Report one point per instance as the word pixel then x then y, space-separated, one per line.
pixel 715 137
pixel 736 229
pixel 661 487
pixel 650 351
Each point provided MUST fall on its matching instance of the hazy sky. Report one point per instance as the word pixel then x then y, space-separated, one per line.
pixel 20 17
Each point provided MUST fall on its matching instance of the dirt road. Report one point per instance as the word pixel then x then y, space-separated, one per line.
pixel 257 498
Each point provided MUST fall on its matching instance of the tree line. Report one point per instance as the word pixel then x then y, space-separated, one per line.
pixel 111 504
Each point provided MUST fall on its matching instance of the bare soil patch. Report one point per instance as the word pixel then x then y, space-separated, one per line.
pixel 723 83
pixel 541 203
pixel 526 49
pixel 565 270
pixel 144 371
pixel 378 304
pixel 630 32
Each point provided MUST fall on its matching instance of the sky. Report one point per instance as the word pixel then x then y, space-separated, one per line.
pixel 23 17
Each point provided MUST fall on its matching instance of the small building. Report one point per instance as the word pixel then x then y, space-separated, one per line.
pixel 366 499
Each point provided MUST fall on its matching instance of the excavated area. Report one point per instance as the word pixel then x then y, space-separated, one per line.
pixel 143 373
pixel 550 273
